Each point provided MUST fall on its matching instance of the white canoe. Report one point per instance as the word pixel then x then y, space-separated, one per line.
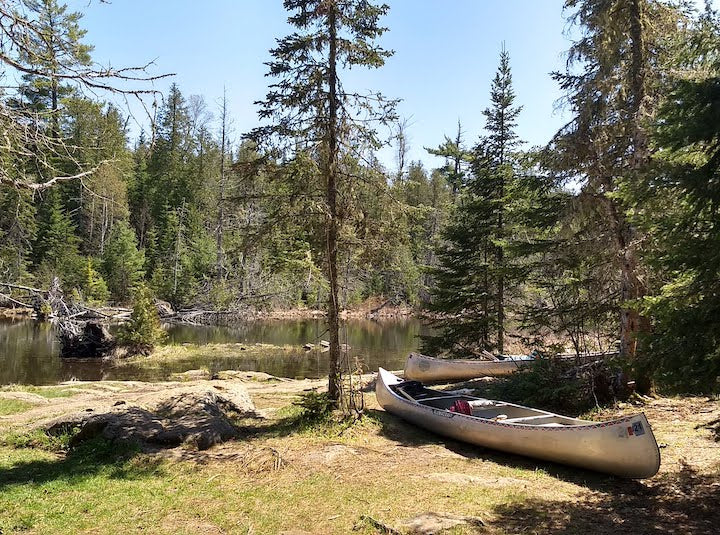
pixel 428 369
pixel 625 447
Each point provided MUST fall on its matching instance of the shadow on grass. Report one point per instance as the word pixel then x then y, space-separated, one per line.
pixel 684 502
pixel 96 457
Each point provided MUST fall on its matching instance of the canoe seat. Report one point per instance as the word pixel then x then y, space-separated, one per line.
pixel 528 418
pixel 546 420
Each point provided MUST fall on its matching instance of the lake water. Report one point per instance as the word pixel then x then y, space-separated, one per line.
pixel 29 350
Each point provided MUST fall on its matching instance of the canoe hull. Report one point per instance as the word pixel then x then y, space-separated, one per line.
pixel 625 447
pixel 428 369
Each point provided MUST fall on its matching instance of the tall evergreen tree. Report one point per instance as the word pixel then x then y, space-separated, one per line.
pixel 56 246
pixel 471 276
pixel 612 89
pixel 678 207
pixel 17 233
pixel 122 262
pixel 312 111
pixel 496 168
pixel 54 49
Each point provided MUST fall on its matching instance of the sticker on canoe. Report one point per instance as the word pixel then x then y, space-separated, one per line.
pixel 636 429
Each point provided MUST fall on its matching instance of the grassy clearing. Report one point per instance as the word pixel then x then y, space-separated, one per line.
pixel 13 406
pixel 168 355
pixel 189 351
pixel 305 471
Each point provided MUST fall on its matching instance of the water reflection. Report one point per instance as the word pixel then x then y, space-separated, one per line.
pixel 29 350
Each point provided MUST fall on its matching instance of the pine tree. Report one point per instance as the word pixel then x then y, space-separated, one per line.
pixel 312 112
pixel 457 158
pixel 55 48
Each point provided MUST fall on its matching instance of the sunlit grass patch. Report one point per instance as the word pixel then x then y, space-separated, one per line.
pixel 13 406
pixel 49 392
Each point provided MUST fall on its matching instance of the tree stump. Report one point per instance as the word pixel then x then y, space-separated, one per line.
pixel 88 340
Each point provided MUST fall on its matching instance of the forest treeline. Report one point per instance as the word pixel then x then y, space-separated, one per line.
pixel 610 232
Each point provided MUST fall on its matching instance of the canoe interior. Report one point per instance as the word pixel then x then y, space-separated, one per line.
pixel 482 408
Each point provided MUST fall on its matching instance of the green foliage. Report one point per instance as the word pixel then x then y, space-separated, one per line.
pixel 95 289
pixel 56 246
pixel 558 386
pixel 39 439
pixel 18 226
pixel 499 228
pixel 122 261
pixel 316 407
pixel 678 207
pixel 144 331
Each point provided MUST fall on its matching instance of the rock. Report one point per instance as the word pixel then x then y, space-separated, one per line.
pixel 199 417
pixel 430 523
pixel 191 375
pixel 324 343
pixel 239 375
pixel 308 347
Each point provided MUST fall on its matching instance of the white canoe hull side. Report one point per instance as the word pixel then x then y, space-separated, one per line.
pixel 428 369
pixel 601 446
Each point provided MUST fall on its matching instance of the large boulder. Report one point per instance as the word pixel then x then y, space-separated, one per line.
pixel 199 417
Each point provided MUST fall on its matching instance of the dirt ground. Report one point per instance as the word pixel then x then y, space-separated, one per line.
pixel 417 482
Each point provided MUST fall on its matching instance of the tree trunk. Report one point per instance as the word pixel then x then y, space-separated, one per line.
pixel 332 227
pixel 221 193
pixel 632 323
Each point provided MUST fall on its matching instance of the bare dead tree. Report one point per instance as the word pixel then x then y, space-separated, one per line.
pixel 28 134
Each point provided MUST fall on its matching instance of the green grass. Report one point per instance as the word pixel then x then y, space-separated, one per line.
pixel 101 488
pixel 13 406
pixel 37 439
pixel 49 392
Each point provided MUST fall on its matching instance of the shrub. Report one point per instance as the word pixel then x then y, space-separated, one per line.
pixel 562 386
pixel 143 332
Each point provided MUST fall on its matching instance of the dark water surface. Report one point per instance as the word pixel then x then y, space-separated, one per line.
pixel 29 350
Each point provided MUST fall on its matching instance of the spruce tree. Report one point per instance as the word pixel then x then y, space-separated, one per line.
pixel 678 208
pixel 312 114
pixel 18 227
pixel 612 87
pixel 56 246
pixel 472 265
pixel 122 262
pixel 144 331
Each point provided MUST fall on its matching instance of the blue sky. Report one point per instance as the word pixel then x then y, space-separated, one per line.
pixel 446 52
